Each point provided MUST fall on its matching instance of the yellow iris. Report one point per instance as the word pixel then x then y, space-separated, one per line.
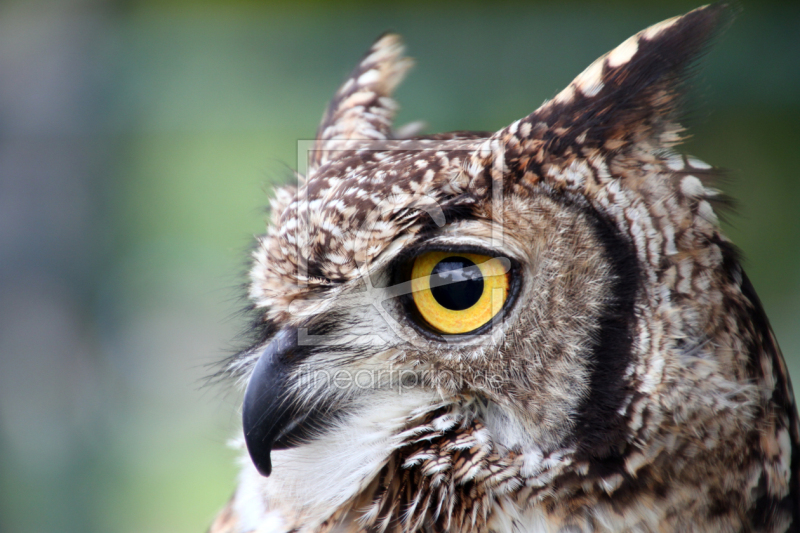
pixel 452 295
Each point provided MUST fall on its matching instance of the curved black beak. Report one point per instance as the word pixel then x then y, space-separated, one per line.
pixel 268 414
pixel 274 416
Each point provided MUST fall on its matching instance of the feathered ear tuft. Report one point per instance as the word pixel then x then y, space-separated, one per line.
pixel 363 109
pixel 635 90
pixel 628 96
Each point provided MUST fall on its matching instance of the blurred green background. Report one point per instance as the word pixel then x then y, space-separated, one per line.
pixel 138 141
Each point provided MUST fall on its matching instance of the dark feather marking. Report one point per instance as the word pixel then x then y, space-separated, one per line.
pixel 601 428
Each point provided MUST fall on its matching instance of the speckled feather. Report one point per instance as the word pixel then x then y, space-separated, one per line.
pixel 681 418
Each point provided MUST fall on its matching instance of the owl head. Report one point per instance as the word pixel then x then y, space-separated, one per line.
pixel 557 292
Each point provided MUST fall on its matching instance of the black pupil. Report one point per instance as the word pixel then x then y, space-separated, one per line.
pixel 456 283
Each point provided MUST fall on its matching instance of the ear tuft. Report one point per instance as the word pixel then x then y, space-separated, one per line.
pixel 632 93
pixel 363 108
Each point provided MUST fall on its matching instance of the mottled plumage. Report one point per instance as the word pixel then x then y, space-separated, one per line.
pixel 631 381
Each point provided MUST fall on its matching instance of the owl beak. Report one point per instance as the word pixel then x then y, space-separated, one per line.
pixel 269 416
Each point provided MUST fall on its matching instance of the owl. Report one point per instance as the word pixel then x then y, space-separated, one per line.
pixel 539 329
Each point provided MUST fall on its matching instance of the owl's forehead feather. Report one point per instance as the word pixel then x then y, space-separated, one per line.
pixel 348 212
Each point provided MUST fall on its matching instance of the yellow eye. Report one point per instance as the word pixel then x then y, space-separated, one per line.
pixel 458 292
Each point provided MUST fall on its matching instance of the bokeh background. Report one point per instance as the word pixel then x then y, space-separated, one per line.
pixel 138 141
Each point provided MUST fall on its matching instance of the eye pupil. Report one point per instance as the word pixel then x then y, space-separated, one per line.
pixel 456 283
